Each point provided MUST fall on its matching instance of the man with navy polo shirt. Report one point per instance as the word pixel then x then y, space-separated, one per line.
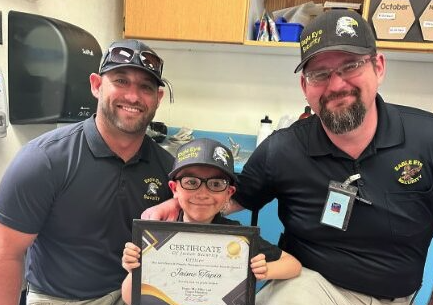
pixel 69 196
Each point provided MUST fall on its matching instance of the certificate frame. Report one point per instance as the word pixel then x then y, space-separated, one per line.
pixel 152 236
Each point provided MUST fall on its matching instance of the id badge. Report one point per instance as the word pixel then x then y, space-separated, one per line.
pixel 338 206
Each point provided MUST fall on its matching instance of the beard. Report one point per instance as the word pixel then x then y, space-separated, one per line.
pixel 348 119
pixel 137 126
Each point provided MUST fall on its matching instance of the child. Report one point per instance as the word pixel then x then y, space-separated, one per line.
pixel 203 180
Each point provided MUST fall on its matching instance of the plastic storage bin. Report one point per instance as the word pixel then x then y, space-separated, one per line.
pixel 287 31
pixel 290 31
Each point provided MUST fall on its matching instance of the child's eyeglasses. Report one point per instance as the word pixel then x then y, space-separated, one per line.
pixel 213 184
pixel 123 55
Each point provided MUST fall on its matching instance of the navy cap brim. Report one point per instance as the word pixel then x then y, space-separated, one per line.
pixel 174 172
pixel 204 152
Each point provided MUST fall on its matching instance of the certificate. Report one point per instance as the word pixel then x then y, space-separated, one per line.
pixel 193 264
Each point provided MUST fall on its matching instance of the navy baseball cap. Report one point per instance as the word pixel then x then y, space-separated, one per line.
pixel 336 30
pixel 132 53
pixel 204 152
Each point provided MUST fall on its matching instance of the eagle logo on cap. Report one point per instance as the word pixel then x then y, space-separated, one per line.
pixel 220 154
pixel 345 26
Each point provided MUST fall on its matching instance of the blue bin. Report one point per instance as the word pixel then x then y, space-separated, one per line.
pixel 287 31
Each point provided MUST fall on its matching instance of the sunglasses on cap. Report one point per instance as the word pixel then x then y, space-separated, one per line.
pixel 123 55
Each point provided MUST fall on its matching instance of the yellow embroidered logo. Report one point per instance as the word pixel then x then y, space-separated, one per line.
pixel 153 185
pixel 188 153
pixel 410 171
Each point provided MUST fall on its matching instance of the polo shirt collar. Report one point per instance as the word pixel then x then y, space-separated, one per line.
pixel 100 149
pixel 389 132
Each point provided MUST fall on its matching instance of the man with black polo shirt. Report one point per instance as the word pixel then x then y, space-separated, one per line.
pixel 353 182
pixel 70 195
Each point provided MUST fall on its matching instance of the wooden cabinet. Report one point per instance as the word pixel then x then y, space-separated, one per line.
pixel 188 20
pixel 413 43
pixel 232 22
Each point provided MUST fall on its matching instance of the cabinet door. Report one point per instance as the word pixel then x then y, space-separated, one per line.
pixel 188 20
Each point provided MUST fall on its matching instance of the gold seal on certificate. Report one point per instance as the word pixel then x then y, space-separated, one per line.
pixel 193 264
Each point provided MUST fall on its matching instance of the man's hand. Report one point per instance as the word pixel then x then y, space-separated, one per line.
pixel 167 210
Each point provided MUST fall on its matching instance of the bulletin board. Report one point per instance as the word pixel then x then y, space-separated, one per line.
pixel 413 39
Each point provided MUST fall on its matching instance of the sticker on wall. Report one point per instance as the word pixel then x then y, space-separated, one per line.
pixel 3 107
pixel 426 22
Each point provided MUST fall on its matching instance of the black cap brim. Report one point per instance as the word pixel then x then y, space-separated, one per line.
pixel 341 48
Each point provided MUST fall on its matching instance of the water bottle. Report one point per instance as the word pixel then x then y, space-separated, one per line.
pixel 265 130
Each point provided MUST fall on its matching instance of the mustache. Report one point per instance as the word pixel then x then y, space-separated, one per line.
pixel 339 94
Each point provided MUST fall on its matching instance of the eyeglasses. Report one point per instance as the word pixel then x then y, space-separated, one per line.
pixel 123 55
pixel 194 183
pixel 319 78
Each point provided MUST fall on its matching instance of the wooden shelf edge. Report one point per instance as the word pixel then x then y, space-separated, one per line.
pixel 281 49
pixel 405 46
pixel 271 44
pixel 248 47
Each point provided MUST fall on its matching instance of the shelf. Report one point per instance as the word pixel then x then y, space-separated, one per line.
pixel 271 44
pixel 276 48
pixel 250 47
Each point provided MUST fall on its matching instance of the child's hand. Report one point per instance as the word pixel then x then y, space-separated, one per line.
pixel 130 257
pixel 259 266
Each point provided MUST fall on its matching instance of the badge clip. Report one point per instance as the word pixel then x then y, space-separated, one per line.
pixel 349 180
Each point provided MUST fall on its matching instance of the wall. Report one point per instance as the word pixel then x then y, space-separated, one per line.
pixel 233 91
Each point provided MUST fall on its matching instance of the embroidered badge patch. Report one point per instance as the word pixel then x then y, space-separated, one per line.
pixel 153 185
pixel 410 171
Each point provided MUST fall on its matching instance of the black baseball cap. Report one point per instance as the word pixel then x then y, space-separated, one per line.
pixel 204 151
pixel 336 30
pixel 132 53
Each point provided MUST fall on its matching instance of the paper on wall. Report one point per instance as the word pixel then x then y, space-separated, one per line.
pixel 3 107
